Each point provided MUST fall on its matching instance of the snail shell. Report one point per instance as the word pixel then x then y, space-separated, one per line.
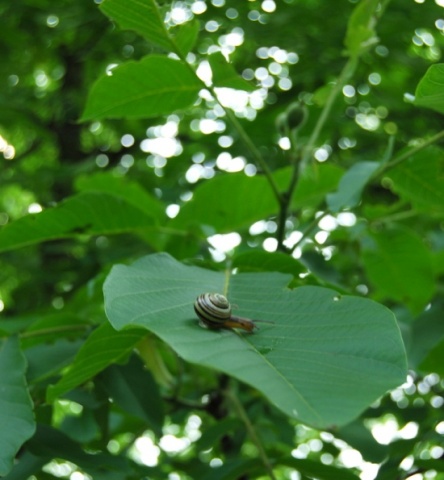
pixel 214 311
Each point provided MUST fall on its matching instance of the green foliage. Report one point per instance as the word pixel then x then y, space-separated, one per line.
pixel 153 152
pixel 314 333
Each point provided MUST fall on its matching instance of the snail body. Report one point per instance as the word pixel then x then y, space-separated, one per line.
pixel 214 311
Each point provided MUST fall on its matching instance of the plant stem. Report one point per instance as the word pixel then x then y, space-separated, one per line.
pixel 257 156
pixel 251 431
pixel 255 153
pixel 345 74
pixel 48 331
pixel 405 155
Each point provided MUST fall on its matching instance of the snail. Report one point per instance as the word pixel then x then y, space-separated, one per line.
pixel 214 311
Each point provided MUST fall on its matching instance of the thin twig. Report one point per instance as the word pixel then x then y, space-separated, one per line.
pixel 251 431
pixel 48 331
pixel 345 74
pixel 405 155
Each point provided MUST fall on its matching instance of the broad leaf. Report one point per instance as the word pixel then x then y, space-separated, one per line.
pixel 224 74
pixel 16 415
pixel 310 362
pixel 420 180
pixel 151 87
pixel 225 202
pixel 103 347
pixel 315 182
pixel 87 213
pixel 132 192
pixel 351 185
pixel 143 17
pixel 430 90
pixel 399 265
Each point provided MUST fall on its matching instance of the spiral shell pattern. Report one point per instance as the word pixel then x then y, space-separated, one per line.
pixel 213 309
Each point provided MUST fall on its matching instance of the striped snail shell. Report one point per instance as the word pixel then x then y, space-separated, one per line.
pixel 214 311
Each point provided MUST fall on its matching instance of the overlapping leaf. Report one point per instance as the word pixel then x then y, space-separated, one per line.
pixel 310 362
pixel 153 86
pixel 430 90
pixel 89 213
pixel 142 17
pixel 16 415
pixel 103 347
pixel 399 265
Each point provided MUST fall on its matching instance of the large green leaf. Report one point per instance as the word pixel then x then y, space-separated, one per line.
pixel 151 87
pixel 143 17
pixel 103 347
pixel 420 179
pixel 323 360
pixel 89 213
pixel 16 415
pixel 399 265
pixel 233 201
pixel 430 90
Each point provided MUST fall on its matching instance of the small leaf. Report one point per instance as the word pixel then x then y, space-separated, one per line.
pixel 310 362
pixel 87 213
pixel 430 90
pixel 399 265
pixel 151 87
pixel 16 415
pixel 102 348
pixel 142 17
pixel 186 36
pixel 351 186
pixel 224 74
pixel 360 30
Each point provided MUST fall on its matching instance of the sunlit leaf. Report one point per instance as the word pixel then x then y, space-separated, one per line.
pixel 310 362
pixel 153 86
pixel 186 36
pixel 224 74
pixel 143 17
